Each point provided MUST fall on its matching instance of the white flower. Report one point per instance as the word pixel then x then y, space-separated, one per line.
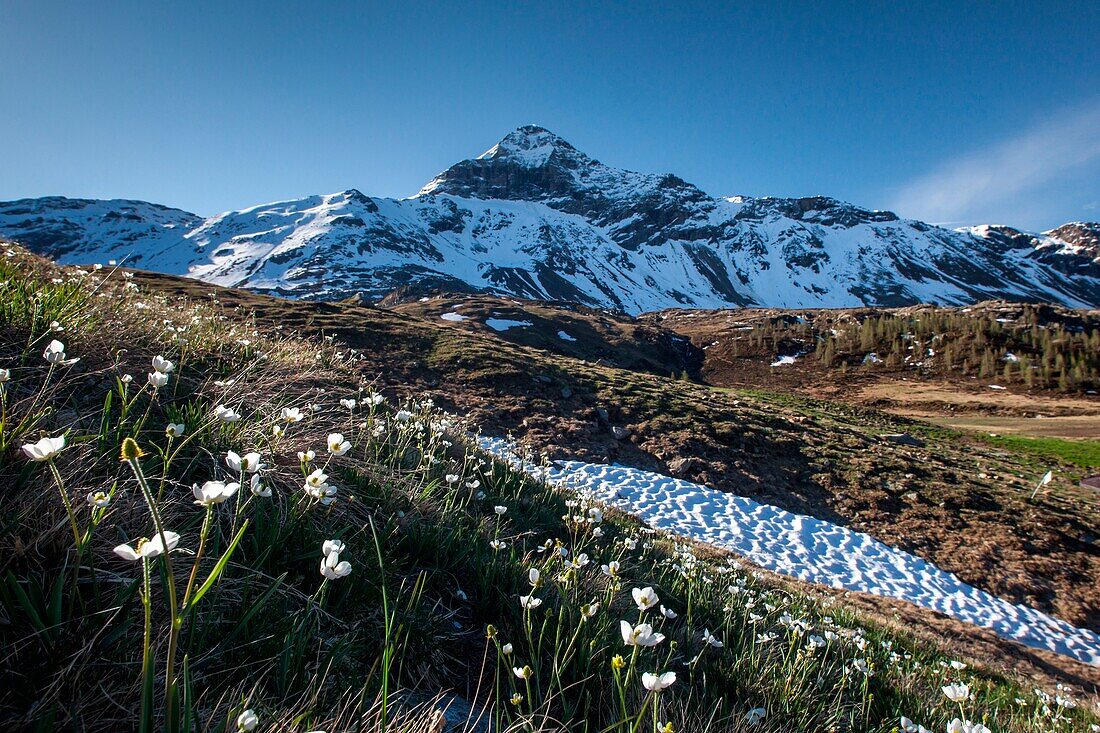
pixel 630 543
pixel 306 456
pixel 257 488
pixel 645 598
pixel 754 716
pixel 55 354
pixel 337 446
pixel 500 510
pixel 162 365
pixel 127 378
pixel 668 613
pixel 175 429
pixel 530 602
pixel 324 493
pixel 965 726
pixel 524 672
pixel 656 683
pixel 498 544
pixel 333 568
pixel 959 692
pixel 588 610
pixel 148 549
pixel 317 487
pixel 533 576
pixel 507 648
pixel 330 547
pixel 227 414
pixel 5 375
pixel 249 463
pixel 711 639
pixel 213 492
pixel 99 499
pixel 291 414
pixel 611 569
pixel 247 721
pixel 473 484
pixel 908 726
pixel 640 635
pixel 403 416
pixel 44 449
pixel 158 380
pixel 451 478
pixel 348 403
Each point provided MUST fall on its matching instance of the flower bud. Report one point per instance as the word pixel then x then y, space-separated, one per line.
pixel 131 451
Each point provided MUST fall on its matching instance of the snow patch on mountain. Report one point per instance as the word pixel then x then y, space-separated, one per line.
pixel 534 217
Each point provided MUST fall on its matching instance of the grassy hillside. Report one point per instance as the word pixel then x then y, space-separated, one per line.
pixel 957 501
pixel 462 576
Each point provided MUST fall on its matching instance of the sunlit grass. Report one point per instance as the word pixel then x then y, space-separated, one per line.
pixel 1081 453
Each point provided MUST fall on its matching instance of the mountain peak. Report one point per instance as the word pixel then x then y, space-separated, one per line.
pixel 1081 237
pixel 530 146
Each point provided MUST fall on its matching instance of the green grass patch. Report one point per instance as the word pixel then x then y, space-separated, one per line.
pixel 1080 453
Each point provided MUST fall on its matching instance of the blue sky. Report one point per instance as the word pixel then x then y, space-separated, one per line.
pixel 951 112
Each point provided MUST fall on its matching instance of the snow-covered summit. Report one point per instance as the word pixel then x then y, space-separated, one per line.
pixel 530 146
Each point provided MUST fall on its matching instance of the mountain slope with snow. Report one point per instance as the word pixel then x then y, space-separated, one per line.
pixel 535 217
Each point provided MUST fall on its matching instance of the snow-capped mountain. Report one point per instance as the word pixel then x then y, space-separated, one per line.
pixel 535 217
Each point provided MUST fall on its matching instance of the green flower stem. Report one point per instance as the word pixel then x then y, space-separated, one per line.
pixel 173 608
pixel 68 504
pixel 198 557
pixel 621 688
pixel 166 461
pixel 147 673
pixel 641 713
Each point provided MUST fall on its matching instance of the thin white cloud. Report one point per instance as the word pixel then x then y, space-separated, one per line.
pixel 993 178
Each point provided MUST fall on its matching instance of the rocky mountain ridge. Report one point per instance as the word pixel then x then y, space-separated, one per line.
pixel 534 217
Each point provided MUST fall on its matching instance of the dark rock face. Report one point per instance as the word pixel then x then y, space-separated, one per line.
pixel 534 164
pixel 535 217
pixel 1084 235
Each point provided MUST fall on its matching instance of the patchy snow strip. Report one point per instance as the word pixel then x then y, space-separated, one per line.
pixel 503 324
pixel 454 317
pixel 784 361
pixel 565 337
pixel 802 547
